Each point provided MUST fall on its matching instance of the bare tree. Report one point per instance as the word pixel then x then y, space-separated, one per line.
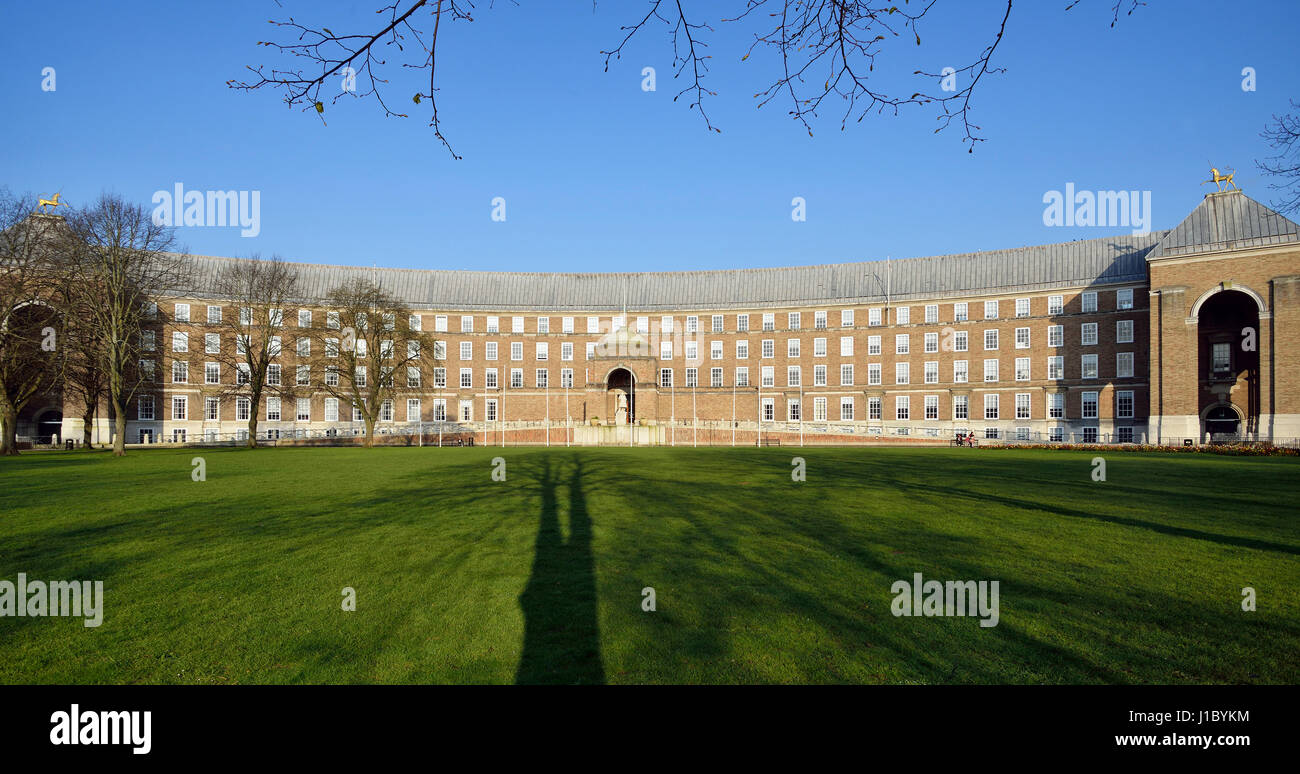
pixel 823 52
pixel 85 381
pixel 1283 135
pixel 30 353
pixel 120 252
pixel 367 353
pixel 250 336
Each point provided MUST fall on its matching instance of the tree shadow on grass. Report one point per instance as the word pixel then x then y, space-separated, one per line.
pixel 561 631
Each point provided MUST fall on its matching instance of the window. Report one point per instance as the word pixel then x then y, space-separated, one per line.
pixel 791 321
pixel 902 373
pixel 960 341
pixel 413 378
pixel 439 409
pixel 1124 331
pixel 932 313
pixel 992 433
pixel 931 406
pixel 1056 405
pixel 902 344
pixel 543 378
pixel 516 378
pixel 792 410
pixel 769 348
pixel 692 377
pixel 990 310
pixel 769 376
pixel 1124 434
pixel 819 375
pixel 302 376
pixel 180 341
pixel 516 350
pixel 961 407
pixel 1123 365
pixel 147 341
pixel 591 350
pixel 846 318
pixel 566 350
pixel 846 346
pixel 1221 357
pixel 149 310
pixel 819 322
pixel 1056 367
pixel 273 374
pixel 1055 304
pixel 769 409
pixel 466 324
pixel 665 350
pixel 991 339
pixel 356 413
pixel 819 409
pixel 211 373
pixel 593 325
pixel 566 325
pixel 439 377
pixel 490 378
pixel 873 316
pixel 303 347
pixel 959 312
pixel 1022 338
pixel 742 376
pixel 543 350
pixel 1022 405
pixel 715 377
pixel 931 342
pixel 791 348
pixel 1022 307
pixel 990 370
pixel 1055 335
pixel 932 372
pixel 717 323
pixel 1056 434
pixel 769 321
pixel 466 377
pixel 873 345
pixel 544 324
pixel 1090 301
pixel 1124 298
pixel 467 350
pixel 1088 334
pixel 846 374
pixel 144 408
pixel 902 407
pixel 180 371
pixel 182 313
pixel 793 376
pixel 873 374
pixel 742 350
pixel 846 409
pixel 303 410
pixel 243 375
pixel 693 323
pixel 1089 367
pixel 1022 369
pixel 991 406
pixel 874 409
pixel 331 409
pixel 742 322
pixel 693 351
pixel 960 371
pixel 1089 405
pixel 903 315
pixel 1124 405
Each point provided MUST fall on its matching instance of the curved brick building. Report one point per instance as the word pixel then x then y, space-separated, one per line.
pixel 1172 336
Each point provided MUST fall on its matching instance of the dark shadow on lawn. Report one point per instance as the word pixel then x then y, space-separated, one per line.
pixel 561 632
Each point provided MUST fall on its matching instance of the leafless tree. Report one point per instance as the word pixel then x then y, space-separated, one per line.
pixel 1283 135
pixel 85 380
pixel 250 334
pixel 120 252
pixel 30 352
pixel 839 43
pixel 367 353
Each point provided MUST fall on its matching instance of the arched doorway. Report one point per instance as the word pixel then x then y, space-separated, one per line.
pixel 1228 363
pixel 1222 423
pixel 49 426
pixel 620 397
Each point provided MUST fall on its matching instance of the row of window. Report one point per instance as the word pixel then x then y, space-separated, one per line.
pixel 717 322
pixel 960 407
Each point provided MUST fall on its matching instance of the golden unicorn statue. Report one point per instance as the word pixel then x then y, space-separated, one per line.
pixel 1219 179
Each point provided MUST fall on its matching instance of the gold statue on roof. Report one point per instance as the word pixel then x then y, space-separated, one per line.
pixel 1221 179
pixel 53 201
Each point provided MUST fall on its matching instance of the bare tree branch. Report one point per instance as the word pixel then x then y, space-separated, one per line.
pixel 1283 135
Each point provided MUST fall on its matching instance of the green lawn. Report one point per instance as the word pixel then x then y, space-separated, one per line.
pixel 459 578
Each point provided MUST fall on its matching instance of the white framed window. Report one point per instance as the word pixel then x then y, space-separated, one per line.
pixel 144 408
pixel 544 324
pixel 593 325
pixel 180 372
pixel 846 346
pixel 1123 331
pixel 1124 404
pixel 543 350
pixel 931 342
pixel 902 344
pixel 873 316
pixel 272 409
pixel 516 350
pixel 543 378
pixel 991 339
pixel 873 345
pixel 1089 367
pixel 1056 367
pixel 769 376
pixel 243 408
pixel 1022 338
pixel 1124 298
pixel 692 351
pixel 148 340
pixel 874 409
pixel 961 341
pixel 742 323
pixel 516 378
pixel 181 313
pixel 932 372
pixel 846 318
pixel 846 409
pixel 566 325
pixel 769 348
pixel 180 341
pixel 846 374
pixel 960 312
pixel 991 407
pixel 769 410
pixel 819 322
pixel 693 323
pixel 1022 307
pixel 742 376
pixel 1089 299
pixel 903 315
pixel 819 409
pixel 666 350
pixel 331 409
pixel 490 378
pixel 1055 304
pixel 931 406
pixel 961 407
pixel 742 350
pixel 1022 369
pixel 991 310
pixel 1022 405
pixel 819 375
pixel 467 377
pixel 566 350
pixel 990 369
pixel 769 321
pixel 467 350
pixel 489 350
pixel 212 373
pixel 1089 405
pixel 932 313
pixel 715 377
pixel 792 320
pixel 791 347
pixel 466 323
pixel 873 374
pixel 1123 365
pixel 211 343
pixel 960 371
pixel 715 350
pixel 902 408
pixel 793 376
pixel 717 323
pixel 1088 334
pixel 302 411
pixel 1055 335
pixel 793 413
pixel 902 373
pixel 1056 405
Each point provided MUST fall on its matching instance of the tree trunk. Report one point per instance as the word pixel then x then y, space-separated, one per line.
pixel 9 436
pixel 87 428
pixel 119 433
pixel 370 432
pixel 252 427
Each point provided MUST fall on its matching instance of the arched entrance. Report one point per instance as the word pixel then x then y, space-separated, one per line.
pixel 1222 422
pixel 1228 360
pixel 49 426
pixel 620 397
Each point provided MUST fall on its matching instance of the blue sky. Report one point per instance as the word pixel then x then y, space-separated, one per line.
pixel 600 176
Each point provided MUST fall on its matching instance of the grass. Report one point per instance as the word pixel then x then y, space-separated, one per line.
pixel 460 578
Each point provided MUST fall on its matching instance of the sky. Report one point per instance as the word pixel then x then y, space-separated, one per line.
pixel 598 174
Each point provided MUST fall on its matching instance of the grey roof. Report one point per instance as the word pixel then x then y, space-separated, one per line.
pixel 1226 221
pixel 1117 259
